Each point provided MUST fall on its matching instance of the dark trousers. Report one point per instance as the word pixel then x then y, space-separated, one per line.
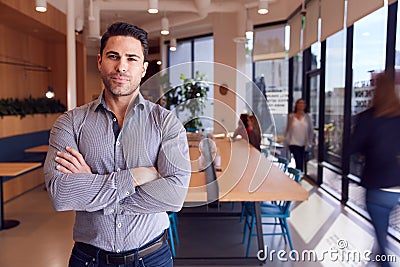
pixel 161 257
pixel 298 154
pixel 379 205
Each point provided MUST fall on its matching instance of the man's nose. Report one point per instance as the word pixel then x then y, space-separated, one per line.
pixel 122 66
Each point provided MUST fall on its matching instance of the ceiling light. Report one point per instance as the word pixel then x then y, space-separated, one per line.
pixel 164 26
pixel 262 7
pixel 159 62
pixel 172 45
pixel 153 7
pixel 41 5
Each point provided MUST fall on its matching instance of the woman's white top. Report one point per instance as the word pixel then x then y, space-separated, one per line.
pixel 299 132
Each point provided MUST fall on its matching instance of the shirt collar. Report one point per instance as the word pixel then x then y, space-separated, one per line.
pixel 138 102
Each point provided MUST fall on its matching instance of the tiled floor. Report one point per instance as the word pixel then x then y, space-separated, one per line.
pixel 44 237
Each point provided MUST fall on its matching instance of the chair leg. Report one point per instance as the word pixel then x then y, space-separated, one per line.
pixel 246 225
pixel 171 243
pixel 288 233
pixel 242 212
pixel 175 227
pixel 283 229
pixel 253 222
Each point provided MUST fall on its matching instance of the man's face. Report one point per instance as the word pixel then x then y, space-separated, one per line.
pixel 122 65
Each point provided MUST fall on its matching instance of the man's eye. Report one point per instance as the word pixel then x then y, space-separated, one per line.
pixel 132 59
pixel 113 57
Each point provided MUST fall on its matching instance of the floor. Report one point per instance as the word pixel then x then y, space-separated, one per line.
pixel 321 224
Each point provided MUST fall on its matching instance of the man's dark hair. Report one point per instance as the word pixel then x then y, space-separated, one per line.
pixel 126 29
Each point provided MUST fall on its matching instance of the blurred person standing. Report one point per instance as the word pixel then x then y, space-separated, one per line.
pixel 376 137
pixel 299 132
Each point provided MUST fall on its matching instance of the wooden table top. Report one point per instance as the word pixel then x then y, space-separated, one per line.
pixel 37 149
pixel 247 175
pixel 17 168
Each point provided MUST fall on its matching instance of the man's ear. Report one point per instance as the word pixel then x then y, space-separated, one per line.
pixel 145 65
pixel 98 61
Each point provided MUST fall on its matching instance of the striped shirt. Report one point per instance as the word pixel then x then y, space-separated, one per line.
pixel 111 213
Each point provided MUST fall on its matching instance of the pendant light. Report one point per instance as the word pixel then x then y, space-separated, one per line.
pixel 164 26
pixel 153 7
pixel 41 5
pixel 172 44
pixel 263 7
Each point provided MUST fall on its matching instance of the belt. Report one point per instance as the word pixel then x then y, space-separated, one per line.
pixel 122 258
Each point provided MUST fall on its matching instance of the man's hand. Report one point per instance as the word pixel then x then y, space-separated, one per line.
pixel 71 162
pixel 142 175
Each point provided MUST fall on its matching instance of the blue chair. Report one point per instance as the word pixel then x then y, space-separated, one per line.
pixel 173 232
pixel 282 163
pixel 277 210
pixel 294 173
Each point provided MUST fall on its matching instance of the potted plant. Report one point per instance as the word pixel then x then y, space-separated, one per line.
pixel 190 97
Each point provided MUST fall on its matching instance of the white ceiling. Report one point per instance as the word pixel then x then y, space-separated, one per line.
pixel 186 17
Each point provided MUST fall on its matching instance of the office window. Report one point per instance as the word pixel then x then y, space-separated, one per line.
pixel 316 56
pixel 297 77
pixel 193 56
pixel 183 54
pixel 273 76
pixel 369 53
pixel 334 97
pixel 204 53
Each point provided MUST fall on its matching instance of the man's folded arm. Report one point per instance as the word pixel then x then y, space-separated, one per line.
pixel 173 164
pixel 77 188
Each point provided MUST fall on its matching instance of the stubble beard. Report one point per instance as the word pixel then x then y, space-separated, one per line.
pixel 118 90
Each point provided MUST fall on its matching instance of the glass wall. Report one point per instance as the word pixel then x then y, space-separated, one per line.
pixel 334 97
pixel 368 38
pixel 369 55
